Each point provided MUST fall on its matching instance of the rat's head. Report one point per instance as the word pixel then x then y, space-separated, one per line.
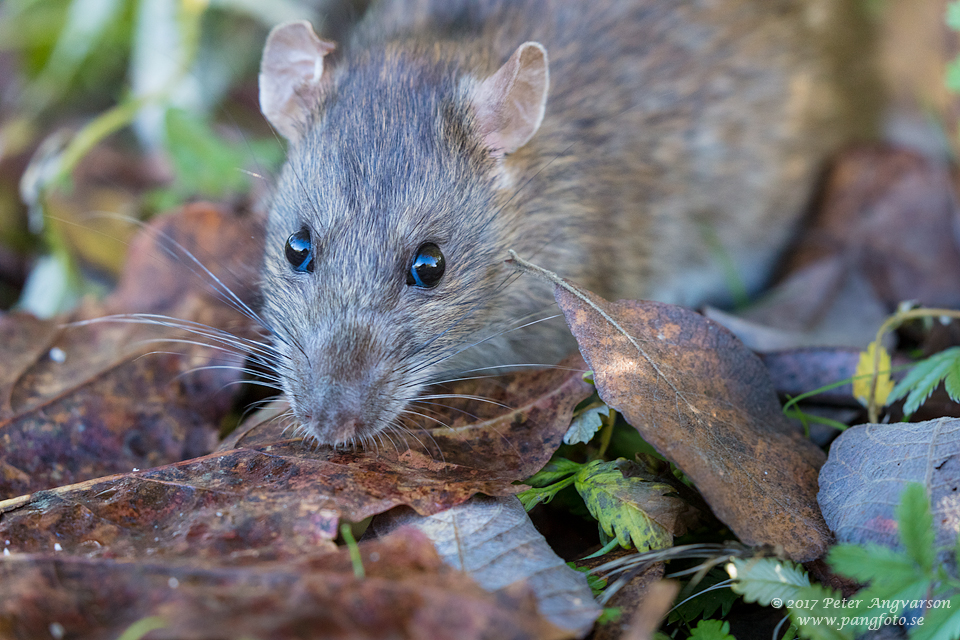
pixel 390 225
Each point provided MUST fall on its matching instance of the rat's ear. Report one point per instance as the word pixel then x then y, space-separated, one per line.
pixel 290 74
pixel 510 104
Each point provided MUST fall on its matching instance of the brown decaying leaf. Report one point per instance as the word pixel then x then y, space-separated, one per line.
pixel 494 541
pixel 652 611
pixel 277 497
pixel 706 403
pixel 407 592
pixel 83 401
pixel 869 467
pixel 628 598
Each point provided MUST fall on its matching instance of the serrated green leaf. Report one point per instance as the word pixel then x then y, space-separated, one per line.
pixel 941 623
pixel 883 600
pixel 916 525
pixel 873 563
pixel 620 504
pixel 586 423
pixel 762 580
pixel 925 376
pixel 711 630
pixel 707 600
pixel 952 382
pixel 815 619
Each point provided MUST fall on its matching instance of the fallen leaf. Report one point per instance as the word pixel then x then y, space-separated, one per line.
pixel 633 505
pixel 707 404
pixel 493 540
pixel 868 468
pixel 651 612
pixel 275 496
pixel 632 599
pixel 201 250
pixel 80 401
pixel 407 592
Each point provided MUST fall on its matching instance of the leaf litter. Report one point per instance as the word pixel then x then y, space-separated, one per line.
pixel 266 498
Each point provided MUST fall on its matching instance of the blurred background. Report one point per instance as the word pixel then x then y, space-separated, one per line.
pixel 114 110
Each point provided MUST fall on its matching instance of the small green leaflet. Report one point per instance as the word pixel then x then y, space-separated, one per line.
pixel 617 502
pixel 763 580
pixel 926 376
pixel 815 619
pixel 708 599
pixel 712 630
pixel 548 482
pixel 940 623
pixel 586 423
pixel 554 471
pixel 916 525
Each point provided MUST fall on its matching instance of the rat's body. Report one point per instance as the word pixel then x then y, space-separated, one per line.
pixel 665 123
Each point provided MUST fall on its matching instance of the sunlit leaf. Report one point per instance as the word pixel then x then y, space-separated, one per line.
pixel 864 376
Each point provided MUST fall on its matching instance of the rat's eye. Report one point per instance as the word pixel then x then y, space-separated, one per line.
pixel 427 267
pixel 299 251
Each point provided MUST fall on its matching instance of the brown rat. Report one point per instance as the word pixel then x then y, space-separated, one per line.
pixel 603 140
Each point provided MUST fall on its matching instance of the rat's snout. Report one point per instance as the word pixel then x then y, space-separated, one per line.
pixel 337 411
pixel 341 393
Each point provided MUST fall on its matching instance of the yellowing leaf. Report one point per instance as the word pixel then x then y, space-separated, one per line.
pixel 864 376
pixel 632 505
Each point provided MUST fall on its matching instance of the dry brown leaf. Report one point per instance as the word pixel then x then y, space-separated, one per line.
pixel 83 401
pixel 706 403
pixel 407 592
pixel 276 497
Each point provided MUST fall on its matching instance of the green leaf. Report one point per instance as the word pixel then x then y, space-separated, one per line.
pixel 586 423
pixel 816 618
pixel 205 164
pixel 555 470
pixel 707 600
pixel 763 580
pixel 712 630
pixel 621 504
pixel 916 526
pixel 926 375
pixel 941 623
pixel 595 582
pixel 536 495
pixel 952 382
pixel 611 614
pixel 953 15
pixel 874 563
